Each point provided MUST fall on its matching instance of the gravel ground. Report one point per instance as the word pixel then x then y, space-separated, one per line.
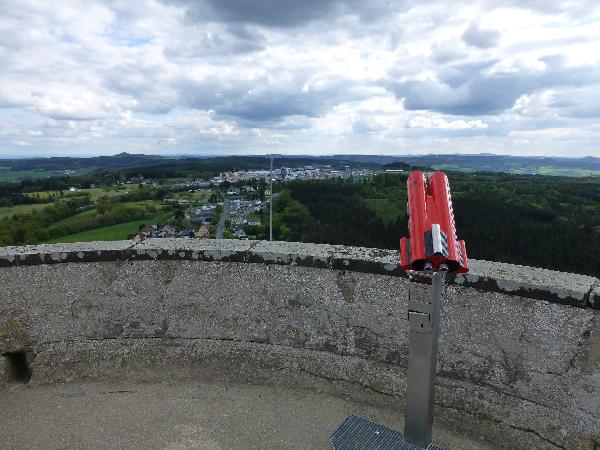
pixel 208 416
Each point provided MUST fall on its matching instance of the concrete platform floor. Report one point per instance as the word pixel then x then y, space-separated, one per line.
pixel 207 416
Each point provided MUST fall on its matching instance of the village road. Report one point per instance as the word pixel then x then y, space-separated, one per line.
pixel 224 217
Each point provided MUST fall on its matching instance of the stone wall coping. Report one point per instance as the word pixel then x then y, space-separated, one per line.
pixel 549 285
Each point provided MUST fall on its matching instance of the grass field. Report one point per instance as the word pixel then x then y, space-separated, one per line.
pixel 556 171
pixel 520 169
pixel 93 212
pixel 113 232
pixel 68 220
pixel 96 193
pixel 21 209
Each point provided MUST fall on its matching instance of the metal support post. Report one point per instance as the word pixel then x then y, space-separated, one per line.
pixel 424 305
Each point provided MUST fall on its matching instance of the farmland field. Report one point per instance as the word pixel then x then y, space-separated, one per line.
pixel 112 232
pixel 21 209
pixel 95 193
pixel 69 220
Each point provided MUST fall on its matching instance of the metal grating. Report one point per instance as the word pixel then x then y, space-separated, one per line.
pixel 360 434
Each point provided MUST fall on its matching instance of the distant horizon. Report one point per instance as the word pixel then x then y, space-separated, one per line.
pixel 289 155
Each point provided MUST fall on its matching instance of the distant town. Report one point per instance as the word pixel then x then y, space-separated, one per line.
pixel 232 204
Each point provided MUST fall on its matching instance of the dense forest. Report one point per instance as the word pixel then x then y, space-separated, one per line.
pixel 549 222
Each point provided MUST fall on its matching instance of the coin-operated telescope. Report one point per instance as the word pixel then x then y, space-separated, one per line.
pixel 431 250
pixel 432 245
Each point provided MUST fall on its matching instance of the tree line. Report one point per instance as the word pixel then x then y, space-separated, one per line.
pixel 549 222
pixel 49 222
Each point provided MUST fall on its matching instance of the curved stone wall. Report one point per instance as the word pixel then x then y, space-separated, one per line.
pixel 519 350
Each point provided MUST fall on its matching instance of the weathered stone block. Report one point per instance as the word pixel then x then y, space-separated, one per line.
pixel 550 285
pixel 370 260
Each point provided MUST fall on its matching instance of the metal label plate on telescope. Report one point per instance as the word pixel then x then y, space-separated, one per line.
pixel 360 434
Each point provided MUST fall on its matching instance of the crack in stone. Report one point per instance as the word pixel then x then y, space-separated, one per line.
pixel 501 422
pixel 120 391
pixel 231 340
pixel 187 338
pixel 497 390
pixel 330 378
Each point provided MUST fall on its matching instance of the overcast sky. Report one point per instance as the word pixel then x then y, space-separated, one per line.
pixel 299 76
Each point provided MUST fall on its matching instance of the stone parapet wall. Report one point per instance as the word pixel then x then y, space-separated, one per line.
pixel 531 282
pixel 519 349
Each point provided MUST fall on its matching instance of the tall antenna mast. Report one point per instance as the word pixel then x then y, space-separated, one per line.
pixel 271 201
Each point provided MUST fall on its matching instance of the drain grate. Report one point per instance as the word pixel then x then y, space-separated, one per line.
pixel 360 434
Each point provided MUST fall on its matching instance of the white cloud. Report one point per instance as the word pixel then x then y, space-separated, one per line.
pixel 536 104
pixel 437 122
pixel 207 76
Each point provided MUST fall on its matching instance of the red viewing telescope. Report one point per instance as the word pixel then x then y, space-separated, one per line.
pixel 432 245
pixel 432 249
